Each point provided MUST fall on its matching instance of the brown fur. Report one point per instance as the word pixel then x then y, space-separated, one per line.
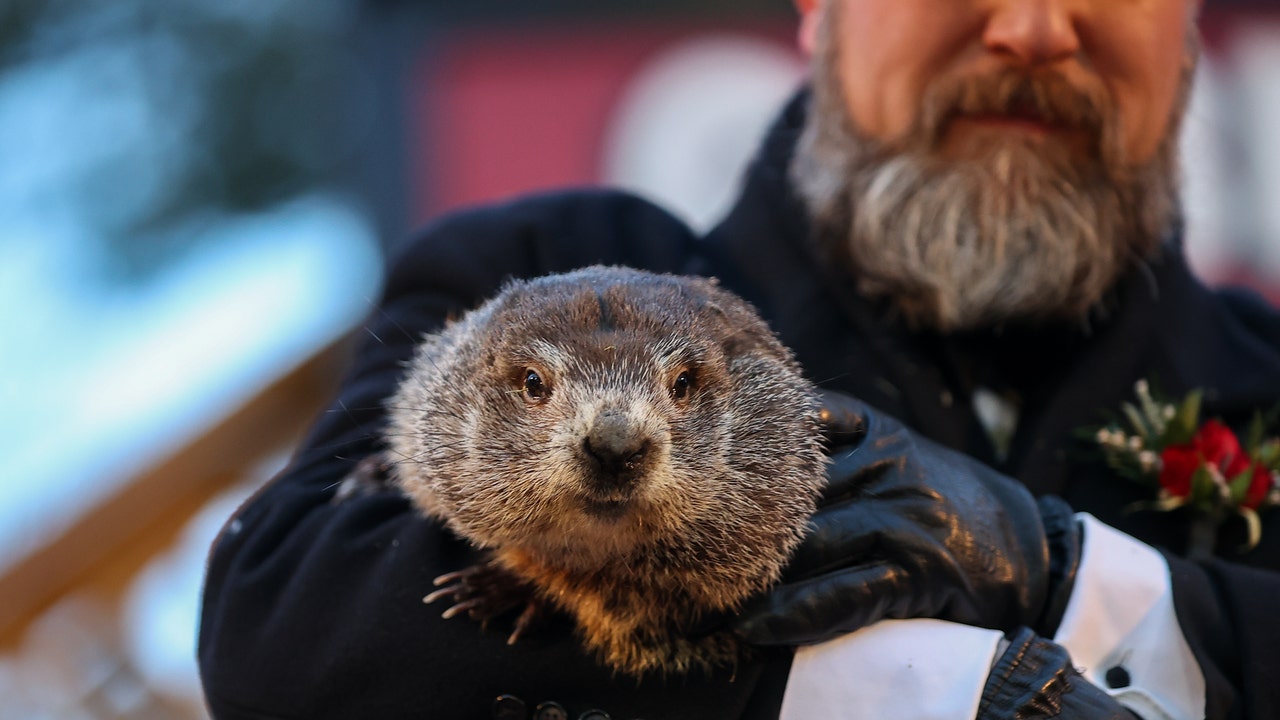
pixel 705 514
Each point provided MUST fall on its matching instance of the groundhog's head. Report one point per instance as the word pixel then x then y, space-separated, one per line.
pixel 597 414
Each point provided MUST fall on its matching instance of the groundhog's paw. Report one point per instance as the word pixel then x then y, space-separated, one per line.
pixel 486 591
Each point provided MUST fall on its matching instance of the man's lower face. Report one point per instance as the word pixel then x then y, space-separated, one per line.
pixel 1008 200
pixel 967 118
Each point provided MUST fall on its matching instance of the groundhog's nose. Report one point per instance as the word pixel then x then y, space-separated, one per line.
pixel 615 445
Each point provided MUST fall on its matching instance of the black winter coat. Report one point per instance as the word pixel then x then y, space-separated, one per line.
pixel 315 610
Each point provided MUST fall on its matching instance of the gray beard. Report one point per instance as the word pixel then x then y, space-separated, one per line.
pixel 1019 233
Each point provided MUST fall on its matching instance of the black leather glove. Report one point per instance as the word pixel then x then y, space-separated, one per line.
pixel 1034 678
pixel 909 529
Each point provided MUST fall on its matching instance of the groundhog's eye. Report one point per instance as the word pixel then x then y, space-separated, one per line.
pixel 534 389
pixel 683 384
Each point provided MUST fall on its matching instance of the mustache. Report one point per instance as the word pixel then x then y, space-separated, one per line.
pixel 1044 97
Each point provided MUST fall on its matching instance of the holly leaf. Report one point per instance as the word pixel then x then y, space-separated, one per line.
pixel 1268 454
pixel 1253 441
pixel 1239 485
pixel 1204 490
pixel 1186 420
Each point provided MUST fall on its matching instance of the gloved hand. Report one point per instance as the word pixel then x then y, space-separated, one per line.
pixel 909 529
pixel 1035 678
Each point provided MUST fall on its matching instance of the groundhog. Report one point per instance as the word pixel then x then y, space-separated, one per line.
pixel 637 450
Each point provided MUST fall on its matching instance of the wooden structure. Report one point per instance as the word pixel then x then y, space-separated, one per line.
pixel 103 552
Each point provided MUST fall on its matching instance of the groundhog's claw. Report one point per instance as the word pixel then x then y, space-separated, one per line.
pixel 486 591
pixel 452 578
pixel 464 606
pixel 528 618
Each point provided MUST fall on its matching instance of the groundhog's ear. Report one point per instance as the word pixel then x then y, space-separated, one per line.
pixel 478 336
pixel 744 333
pixel 740 329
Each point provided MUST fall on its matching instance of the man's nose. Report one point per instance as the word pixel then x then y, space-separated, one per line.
pixel 1034 32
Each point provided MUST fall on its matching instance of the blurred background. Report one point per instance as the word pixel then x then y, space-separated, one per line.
pixel 195 199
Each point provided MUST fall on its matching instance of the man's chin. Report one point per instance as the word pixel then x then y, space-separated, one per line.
pixel 945 311
pixel 1018 234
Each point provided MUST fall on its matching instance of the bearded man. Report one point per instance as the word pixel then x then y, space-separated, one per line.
pixel 969 222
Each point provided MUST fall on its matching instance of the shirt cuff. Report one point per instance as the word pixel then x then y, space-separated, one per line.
pixel 1122 631
pixel 902 669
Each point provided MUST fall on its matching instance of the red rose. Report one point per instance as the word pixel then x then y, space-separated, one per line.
pixel 1259 487
pixel 1214 444
pixel 1177 464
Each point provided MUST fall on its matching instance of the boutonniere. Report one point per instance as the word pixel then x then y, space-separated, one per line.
pixel 1201 465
